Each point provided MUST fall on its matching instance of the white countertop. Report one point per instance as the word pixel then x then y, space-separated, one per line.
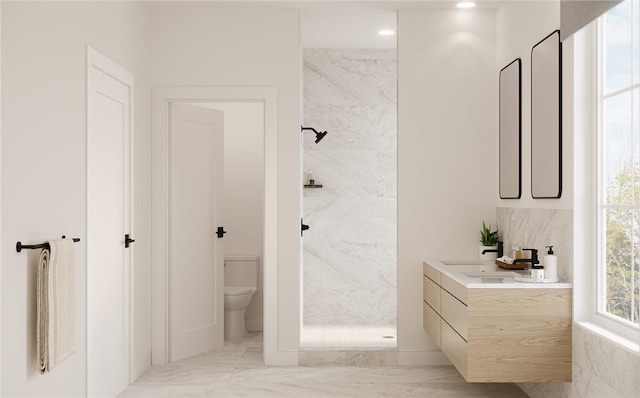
pixel 487 275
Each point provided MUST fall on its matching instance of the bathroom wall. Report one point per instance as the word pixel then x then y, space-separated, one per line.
pixel 225 44
pixel 350 251
pixel 244 189
pixel 520 25
pixel 447 151
pixel 0 196
pixel 44 170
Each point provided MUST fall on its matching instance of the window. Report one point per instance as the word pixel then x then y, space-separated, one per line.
pixel 618 279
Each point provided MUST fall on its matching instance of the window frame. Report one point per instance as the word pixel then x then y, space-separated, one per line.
pixel 613 323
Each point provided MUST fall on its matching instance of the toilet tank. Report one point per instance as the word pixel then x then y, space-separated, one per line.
pixel 241 271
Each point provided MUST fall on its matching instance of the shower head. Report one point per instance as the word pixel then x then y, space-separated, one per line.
pixel 319 136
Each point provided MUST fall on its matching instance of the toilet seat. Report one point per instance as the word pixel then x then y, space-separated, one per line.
pixel 237 290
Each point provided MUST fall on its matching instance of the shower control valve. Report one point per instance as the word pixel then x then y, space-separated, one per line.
pixel 303 227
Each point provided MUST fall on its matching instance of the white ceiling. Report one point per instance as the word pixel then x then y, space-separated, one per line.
pixel 355 24
pixel 350 23
pixel 340 26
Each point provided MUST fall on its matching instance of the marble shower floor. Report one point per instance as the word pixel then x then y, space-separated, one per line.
pixel 351 337
pixel 237 370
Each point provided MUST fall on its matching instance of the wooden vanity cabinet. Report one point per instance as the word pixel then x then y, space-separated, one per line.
pixel 499 334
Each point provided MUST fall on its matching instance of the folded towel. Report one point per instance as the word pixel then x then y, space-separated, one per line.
pixel 43 311
pixel 56 304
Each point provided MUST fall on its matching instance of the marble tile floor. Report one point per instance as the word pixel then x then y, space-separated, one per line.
pixel 237 370
pixel 352 337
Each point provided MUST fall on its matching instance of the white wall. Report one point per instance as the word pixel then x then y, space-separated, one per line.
pixel 44 168
pixel 244 189
pixel 141 320
pixel 199 44
pixel 520 26
pixel 0 198
pixel 447 151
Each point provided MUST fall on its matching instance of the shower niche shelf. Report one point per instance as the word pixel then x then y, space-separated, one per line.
pixel 312 184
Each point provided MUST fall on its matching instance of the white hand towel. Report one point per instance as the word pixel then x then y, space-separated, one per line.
pixel 56 304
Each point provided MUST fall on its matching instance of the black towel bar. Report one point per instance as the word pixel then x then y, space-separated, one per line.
pixel 20 246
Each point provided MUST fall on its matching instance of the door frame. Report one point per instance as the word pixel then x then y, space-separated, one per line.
pixel 97 60
pixel 161 98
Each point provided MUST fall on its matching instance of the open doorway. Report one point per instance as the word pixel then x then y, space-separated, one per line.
pixel 349 257
pixel 243 207
pixel 250 198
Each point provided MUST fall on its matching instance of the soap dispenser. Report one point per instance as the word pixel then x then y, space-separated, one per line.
pixel 550 262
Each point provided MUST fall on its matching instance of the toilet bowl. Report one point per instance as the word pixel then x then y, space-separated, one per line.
pixel 236 300
pixel 240 284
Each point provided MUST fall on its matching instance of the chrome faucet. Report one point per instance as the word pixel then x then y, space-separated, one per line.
pixel 533 260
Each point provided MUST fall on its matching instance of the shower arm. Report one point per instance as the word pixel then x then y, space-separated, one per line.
pixel 319 136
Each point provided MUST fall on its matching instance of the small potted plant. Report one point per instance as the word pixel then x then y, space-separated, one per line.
pixel 489 243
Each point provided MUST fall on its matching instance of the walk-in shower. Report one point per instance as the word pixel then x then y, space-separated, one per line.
pixel 349 257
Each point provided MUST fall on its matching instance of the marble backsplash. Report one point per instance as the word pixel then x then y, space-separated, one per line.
pixel 349 265
pixel 537 228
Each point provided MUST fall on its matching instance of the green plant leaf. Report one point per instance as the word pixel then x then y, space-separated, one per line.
pixel 487 236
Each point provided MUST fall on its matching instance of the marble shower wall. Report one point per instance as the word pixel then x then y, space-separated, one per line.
pixel 349 271
pixel 537 228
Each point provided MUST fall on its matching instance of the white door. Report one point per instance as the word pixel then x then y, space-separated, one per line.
pixel 196 258
pixel 109 93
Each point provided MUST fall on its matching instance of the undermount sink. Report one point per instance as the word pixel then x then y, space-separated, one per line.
pixel 476 274
pixel 463 262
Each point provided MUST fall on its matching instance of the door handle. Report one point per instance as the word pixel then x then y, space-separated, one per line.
pixel 128 241
pixel 220 232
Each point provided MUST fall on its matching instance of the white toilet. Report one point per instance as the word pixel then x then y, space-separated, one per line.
pixel 240 284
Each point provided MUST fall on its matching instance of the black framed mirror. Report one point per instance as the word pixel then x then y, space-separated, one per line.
pixel 510 147
pixel 546 118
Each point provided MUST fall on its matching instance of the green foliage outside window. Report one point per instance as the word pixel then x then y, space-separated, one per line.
pixel 623 246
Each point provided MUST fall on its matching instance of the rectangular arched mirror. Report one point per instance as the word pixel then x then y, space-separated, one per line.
pixel 546 118
pixel 510 130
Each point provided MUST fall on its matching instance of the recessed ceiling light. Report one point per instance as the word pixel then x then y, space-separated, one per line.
pixel 386 32
pixel 466 4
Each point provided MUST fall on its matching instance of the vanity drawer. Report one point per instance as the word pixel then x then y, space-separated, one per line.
pixel 455 348
pixel 431 272
pixel 431 322
pixel 455 314
pixel 453 287
pixel 431 293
